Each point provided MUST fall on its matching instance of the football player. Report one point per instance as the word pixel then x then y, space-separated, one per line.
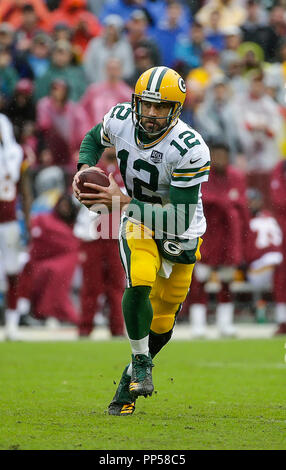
pixel 13 180
pixel 163 162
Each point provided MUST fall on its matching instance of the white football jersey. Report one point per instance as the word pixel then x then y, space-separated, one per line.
pixel 11 158
pixel 179 158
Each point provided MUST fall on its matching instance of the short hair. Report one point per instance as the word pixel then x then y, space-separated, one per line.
pixel 27 7
pixel 218 144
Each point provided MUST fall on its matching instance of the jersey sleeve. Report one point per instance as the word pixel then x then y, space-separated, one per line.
pixel 193 168
pixel 106 130
pixel 91 147
pixel 112 123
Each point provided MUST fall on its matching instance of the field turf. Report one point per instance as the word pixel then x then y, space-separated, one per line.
pixel 208 395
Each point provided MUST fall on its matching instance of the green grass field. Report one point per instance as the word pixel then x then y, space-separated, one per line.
pixel 209 395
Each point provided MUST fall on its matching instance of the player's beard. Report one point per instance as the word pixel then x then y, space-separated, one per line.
pixel 153 126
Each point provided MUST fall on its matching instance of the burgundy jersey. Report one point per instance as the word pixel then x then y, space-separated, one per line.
pixel 227 218
pixel 278 192
pixel 8 191
pixel 264 241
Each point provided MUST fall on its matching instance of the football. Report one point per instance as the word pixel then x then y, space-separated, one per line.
pixel 90 175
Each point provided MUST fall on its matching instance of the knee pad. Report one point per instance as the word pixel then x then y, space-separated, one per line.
pixel 164 315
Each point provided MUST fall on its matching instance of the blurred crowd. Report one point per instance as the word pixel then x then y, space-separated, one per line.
pixel 63 64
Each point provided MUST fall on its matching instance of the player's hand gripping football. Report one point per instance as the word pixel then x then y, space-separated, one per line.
pixel 109 196
pixel 76 181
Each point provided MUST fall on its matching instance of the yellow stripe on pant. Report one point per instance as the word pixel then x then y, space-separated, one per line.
pixel 143 262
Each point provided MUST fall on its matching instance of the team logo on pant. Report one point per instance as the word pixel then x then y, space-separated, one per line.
pixel 156 156
pixel 172 247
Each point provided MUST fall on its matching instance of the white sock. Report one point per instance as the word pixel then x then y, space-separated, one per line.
pixel 198 316
pixel 140 346
pixel 280 313
pixel 129 370
pixel 224 316
pixel 12 318
pixel 23 306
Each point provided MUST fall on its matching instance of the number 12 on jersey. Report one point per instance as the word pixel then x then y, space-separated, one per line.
pixel 138 185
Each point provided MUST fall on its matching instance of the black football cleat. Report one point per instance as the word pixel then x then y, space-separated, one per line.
pixel 141 383
pixel 122 404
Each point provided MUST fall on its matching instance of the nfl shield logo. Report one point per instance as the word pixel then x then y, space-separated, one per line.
pixel 156 156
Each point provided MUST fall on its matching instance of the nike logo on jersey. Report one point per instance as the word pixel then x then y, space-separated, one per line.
pixel 195 161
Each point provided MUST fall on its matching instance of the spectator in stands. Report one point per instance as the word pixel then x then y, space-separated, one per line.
pixel 252 57
pixel 21 108
pixel 72 12
pixel 125 8
pixel 101 267
pixel 214 118
pixel 275 74
pixel 62 124
pixel 96 7
pixel 232 66
pixel 61 31
pixel 38 56
pixel 28 27
pixel 138 34
pixel 209 71
pixel 258 121
pixel 275 88
pixel 61 67
pixel 11 12
pixel 256 28
pixel 100 97
pixel 213 33
pixel 143 59
pixel 226 212
pixel 232 41
pixel 111 44
pixel 83 24
pixel 231 13
pixel 277 21
pixel 167 31
pixel 196 93
pixel 278 199
pixel 8 40
pixel 182 16
pixel 7 35
pixel 189 49
pixel 8 74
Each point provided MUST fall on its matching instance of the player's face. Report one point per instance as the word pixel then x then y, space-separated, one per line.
pixel 153 111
